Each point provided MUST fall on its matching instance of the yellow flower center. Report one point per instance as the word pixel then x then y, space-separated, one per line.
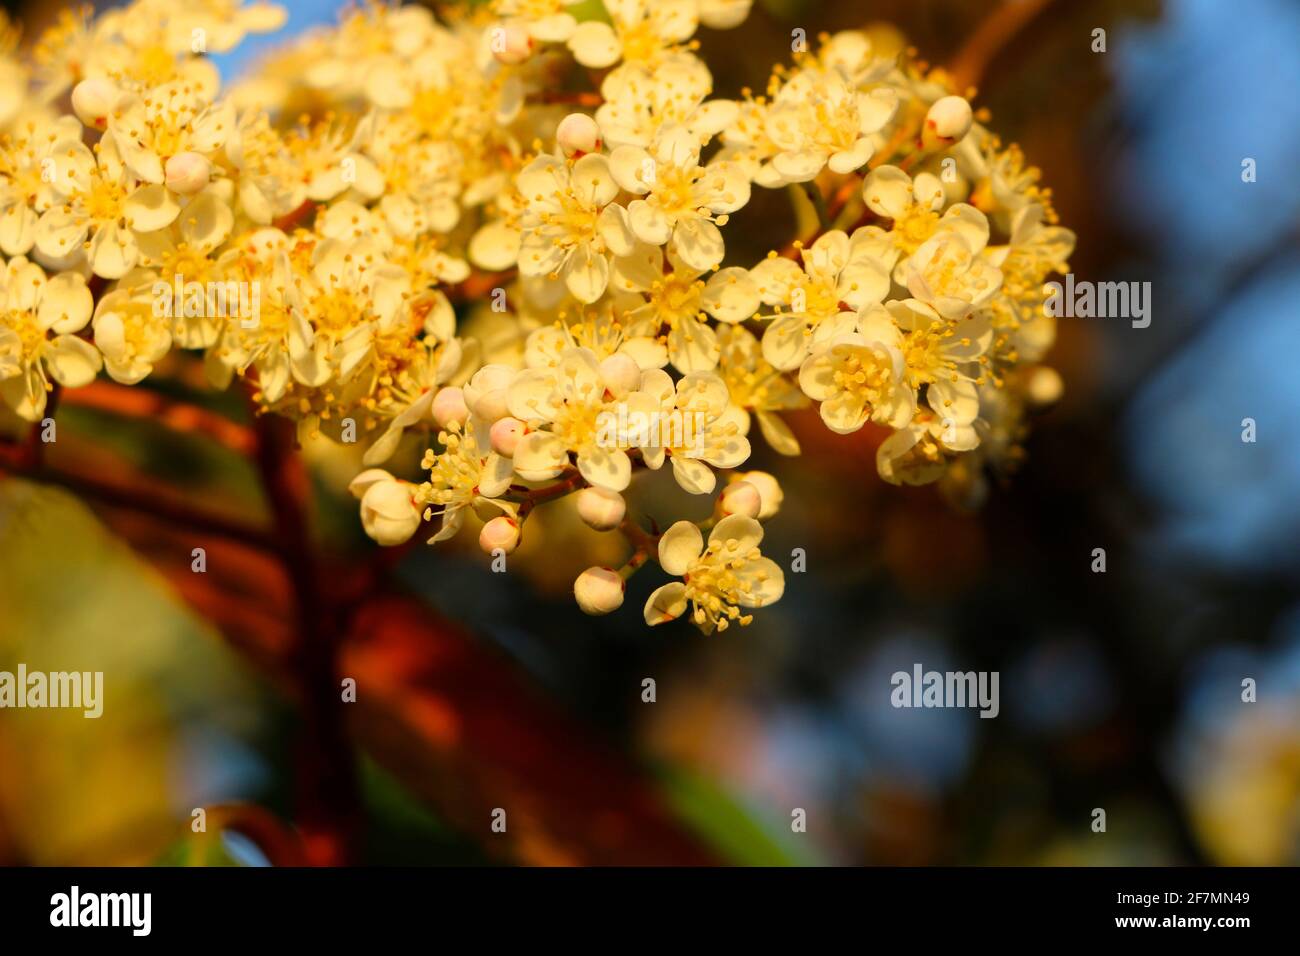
pixel 641 42
pixel 715 587
pixel 675 189
pixel 453 475
pixel 676 297
pixel 914 227
pixel 104 201
pixel 576 424
pixel 31 337
pixel 860 372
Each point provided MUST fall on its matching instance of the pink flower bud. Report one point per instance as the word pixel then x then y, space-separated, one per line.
pixel 578 134
pixel 92 101
pixel 599 591
pixel 449 406
pixel 511 43
pixel 949 118
pixel 601 508
pixel 769 492
pixel 187 173
pixel 620 374
pixel 505 435
pixel 499 533
pixel 741 498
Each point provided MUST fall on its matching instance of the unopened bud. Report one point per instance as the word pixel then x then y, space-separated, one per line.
pixel 505 435
pixel 769 492
pixel 449 406
pixel 511 44
pixel 92 101
pixel 741 498
pixel 500 533
pixel 599 590
pixel 578 134
pixel 949 118
pixel 601 508
pixel 187 173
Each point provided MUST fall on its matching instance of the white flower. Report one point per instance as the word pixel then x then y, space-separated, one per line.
pixel 577 399
pixel 570 224
pixel 747 144
pixel 820 119
pixel 280 343
pixel 643 31
pixel 757 388
pixel 351 294
pixel 840 277
pixel 679 303
pixel 639 102
pixel 913 455
pixel 947 271
pixel 467 473
pixel 184 251
pixel 942 355
pixel 169 120
pixel 719 579
pixel 390 512
pixel 129 330
pixel 96 196
pixel 912 205
pixel 684 201
pixel 24 192
pixel 859 378
pixel 32 307
pixel 595 328
pixel 691 423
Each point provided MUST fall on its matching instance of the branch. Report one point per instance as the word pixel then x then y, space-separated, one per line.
pixel 998 29
pixel 132 401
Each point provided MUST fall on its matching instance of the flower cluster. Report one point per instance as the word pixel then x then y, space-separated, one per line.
pixel 500 229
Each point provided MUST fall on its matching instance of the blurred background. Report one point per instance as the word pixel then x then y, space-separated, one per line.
pixel 477 691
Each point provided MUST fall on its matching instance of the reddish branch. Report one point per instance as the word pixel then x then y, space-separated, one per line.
pixel 328 797
pixel 135 402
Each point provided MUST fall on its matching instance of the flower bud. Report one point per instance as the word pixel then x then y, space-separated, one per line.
pixel 488 392
pixel 599 590
pixel 620 374
pixel 949 119
pixel 511 43
pixel 769 492
pixel 187 173
pixel 578 134
pixel 449 406
pixel 505 435
pixel 741 498
pixel 92 101
pixel 389 513
pixel 500 533
pixel 601 508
